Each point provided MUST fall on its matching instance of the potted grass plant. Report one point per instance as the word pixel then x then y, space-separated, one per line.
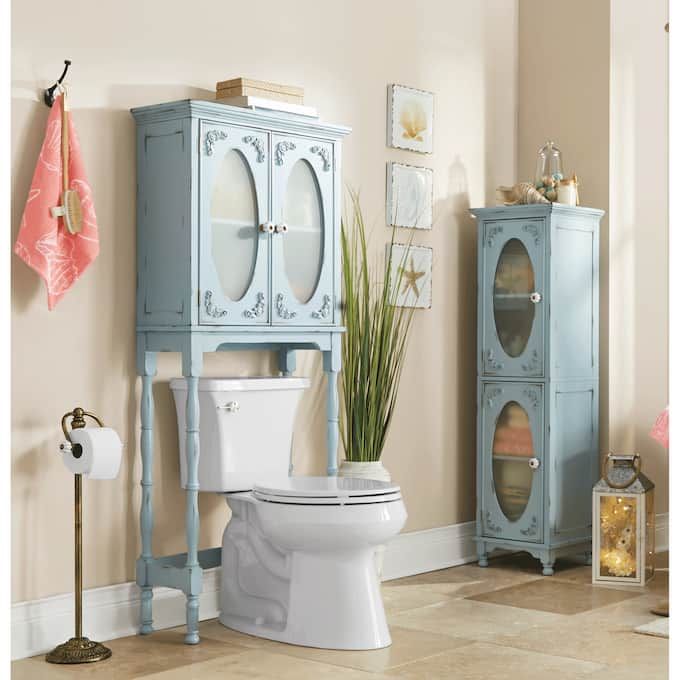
pixel 373 349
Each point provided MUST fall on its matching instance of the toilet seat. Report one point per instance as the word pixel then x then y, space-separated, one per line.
pixel 326 491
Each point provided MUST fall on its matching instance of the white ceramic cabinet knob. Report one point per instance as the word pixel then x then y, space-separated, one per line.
pixel 267 228
pixel 535 297
pixel 534 463
pixel 281 228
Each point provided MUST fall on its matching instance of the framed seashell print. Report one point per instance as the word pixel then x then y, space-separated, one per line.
pixel 410 117
pixel 409 196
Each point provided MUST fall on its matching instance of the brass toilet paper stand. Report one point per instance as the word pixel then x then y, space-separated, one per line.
pixel 78 649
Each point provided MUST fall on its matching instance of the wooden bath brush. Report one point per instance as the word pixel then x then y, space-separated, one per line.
pixel 70 209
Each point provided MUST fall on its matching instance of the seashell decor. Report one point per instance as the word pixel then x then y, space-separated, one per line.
pixel 520 194
pixel 413 120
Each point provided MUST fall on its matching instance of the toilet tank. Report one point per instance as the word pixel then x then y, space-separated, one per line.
pixel 246 429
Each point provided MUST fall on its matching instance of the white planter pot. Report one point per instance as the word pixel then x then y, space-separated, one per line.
pixel 369 470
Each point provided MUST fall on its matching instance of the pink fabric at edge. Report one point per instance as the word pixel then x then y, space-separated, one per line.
pixel 660 429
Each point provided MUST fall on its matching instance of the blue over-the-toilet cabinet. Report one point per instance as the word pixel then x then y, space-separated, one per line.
pixel 537 386
pixel 238 222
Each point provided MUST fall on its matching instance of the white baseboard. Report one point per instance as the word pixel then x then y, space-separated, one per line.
pixel 429 550
pixel 113 611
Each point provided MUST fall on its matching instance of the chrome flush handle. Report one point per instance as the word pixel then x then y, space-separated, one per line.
pixel 535 297
pixel 230 407
pixel 534 463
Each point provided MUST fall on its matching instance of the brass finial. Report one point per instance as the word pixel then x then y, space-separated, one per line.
pixel 78 418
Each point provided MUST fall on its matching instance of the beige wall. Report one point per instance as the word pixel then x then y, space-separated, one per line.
pixel 564 96
pixel 133 53
pixel 638 276
pixel 596 82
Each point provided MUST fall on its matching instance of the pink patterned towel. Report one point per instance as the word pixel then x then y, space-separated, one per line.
pixel 43 242
pixel 660 429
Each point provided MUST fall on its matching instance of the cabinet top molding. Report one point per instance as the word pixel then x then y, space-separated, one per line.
pixel 533 210
pixel 222 113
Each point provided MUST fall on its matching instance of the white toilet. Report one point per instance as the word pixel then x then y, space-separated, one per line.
pixel 297 553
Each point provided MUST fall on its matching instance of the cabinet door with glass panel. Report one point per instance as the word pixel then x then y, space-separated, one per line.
pixel 302 242
pixel 234 226
pixel 512 461
pixel 513 315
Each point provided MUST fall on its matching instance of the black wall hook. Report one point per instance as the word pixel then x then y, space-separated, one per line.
pixel 49 92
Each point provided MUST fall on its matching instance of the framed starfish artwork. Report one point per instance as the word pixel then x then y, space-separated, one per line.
pixel 411 268
pixel 410 118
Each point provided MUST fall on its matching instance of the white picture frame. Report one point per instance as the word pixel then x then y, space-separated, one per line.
pixel 410 196
pixel 415 287
pixel 410 118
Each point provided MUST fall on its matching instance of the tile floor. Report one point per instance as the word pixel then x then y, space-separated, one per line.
pixel 465 623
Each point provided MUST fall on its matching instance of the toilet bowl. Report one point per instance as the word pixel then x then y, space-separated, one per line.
pixel 297 553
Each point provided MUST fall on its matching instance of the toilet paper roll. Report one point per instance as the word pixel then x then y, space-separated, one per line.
pixel 95 452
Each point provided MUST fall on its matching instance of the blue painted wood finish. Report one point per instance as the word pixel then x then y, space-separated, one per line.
pixel 253 149
pixel 181 306
pixel 147 369
pixel 554 379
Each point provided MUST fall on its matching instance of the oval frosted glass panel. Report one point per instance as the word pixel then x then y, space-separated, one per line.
pixel 513 311
pixel 303 244
pixel 233 216
pixel 512 447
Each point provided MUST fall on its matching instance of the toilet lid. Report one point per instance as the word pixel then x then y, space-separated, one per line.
pixel 326 491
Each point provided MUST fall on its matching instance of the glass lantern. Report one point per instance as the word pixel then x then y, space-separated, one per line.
pixel 548 170
pixel 623 523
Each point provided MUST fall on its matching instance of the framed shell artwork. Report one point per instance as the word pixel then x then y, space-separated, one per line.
pixel 410 118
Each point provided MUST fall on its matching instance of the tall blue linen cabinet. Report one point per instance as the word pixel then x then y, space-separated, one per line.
pixel 537 379
pixel 238 223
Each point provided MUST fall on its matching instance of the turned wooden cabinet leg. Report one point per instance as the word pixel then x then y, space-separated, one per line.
pixel 548 564
pixel 482 555
pixel 331 366
pixel 147 369
pixel 191 371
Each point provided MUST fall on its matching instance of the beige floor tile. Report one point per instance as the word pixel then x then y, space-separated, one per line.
pixel 619 673
pixel 133 657
pixel 407 646
pixel 481 661
pixel 402 598
pixel 599 637
pixel 474 620
pixel 627 614
pixel 36 668
pixel 258 664
pixel 461 581
pixel 214 630
pixel 559 597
